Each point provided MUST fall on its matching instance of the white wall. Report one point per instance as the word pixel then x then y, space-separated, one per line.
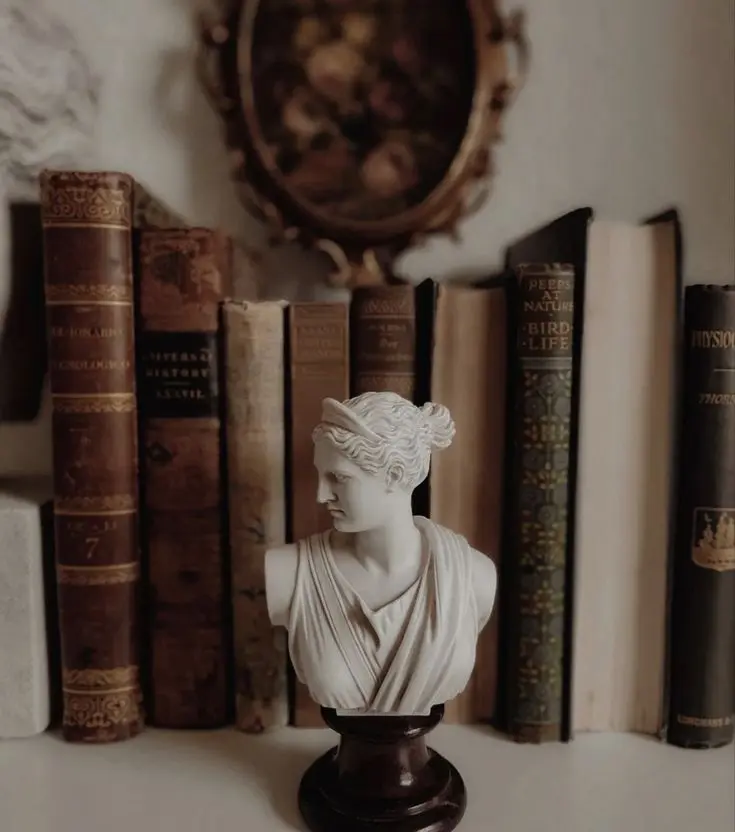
pixel 629 108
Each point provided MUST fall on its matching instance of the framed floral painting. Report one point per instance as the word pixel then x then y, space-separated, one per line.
pixel 361 126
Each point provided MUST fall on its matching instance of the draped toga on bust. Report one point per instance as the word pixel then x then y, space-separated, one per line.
pixel 412 653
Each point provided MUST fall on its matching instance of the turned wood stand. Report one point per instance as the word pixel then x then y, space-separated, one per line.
pixel 382 776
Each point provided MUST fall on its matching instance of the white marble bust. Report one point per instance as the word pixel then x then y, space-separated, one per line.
pixel 384 609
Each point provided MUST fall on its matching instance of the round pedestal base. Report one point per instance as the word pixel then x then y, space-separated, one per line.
pixel 382 776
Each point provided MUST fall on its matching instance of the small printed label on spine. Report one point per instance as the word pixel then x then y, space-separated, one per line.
pixel 713 546
pixel 179 374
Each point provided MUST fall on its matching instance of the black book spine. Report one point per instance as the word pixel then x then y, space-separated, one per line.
pixel 702 650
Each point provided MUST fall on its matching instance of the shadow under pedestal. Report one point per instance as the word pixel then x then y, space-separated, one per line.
pixel 382 776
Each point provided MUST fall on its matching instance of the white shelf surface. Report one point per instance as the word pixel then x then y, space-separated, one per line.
pixel 215 781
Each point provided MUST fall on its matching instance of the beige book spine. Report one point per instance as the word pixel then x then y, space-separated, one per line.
pixel 466 480
pixel 318 368
pixel 623 482
pixel 255 430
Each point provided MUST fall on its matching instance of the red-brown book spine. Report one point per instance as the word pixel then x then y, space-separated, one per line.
pixel 88 281
pixel 184 274
pixel 383 340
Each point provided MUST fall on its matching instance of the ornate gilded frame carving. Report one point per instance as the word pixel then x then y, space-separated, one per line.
pixel 362 249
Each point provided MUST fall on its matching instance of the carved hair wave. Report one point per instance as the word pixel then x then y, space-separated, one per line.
pixel 406 436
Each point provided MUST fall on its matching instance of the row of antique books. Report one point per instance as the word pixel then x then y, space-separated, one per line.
pixel 593 461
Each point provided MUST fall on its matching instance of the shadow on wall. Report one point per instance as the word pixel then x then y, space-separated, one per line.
pixel 23 334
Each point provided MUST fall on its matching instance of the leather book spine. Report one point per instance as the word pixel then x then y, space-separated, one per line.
pixel 383 340
pixel 255 428
pixel 539 433
pixel 184 275
pixel 318 350
pixel 88 283
pixel 390 346
pixel 702 647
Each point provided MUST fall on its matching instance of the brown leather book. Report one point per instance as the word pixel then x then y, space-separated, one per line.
pixel 318 349
pixel 90 325
pixel 538 499
pixel 184 274
pixel 383 340
pixel 468 375
pixel 391 330
pixel 256 491
pixel 702 650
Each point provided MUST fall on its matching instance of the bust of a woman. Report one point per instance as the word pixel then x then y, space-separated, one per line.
pixel 383 610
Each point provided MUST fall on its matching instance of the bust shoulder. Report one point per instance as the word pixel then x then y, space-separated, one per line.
pixel 281 565
pixel 482 570
pixel 485 581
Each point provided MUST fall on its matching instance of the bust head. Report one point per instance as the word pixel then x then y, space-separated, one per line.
pixel 371 452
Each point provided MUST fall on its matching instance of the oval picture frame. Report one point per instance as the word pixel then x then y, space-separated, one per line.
pixel 343 135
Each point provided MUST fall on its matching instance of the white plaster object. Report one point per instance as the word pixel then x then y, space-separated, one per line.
pixel 48 95
pixel 49 98
pixel 384 609
pixel 24 675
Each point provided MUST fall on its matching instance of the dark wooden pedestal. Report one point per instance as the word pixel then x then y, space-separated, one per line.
pixel 382 776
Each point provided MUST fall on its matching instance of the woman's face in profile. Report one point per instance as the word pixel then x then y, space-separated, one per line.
pixel 356 500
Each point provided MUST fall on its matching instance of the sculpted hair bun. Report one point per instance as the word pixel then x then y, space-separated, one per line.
pixel 439 423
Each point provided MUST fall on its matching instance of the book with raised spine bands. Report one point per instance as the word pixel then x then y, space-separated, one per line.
pixel 702 647
pixel 255 428
pixel 88 282
pixel 184 274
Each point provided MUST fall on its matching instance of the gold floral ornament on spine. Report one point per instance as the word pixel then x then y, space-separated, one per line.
pixel 103 701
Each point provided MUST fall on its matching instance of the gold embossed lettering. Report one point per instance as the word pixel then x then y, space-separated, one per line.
pixel 712 339
pixel 549 305
pixel 544 336
pixel 382 306
pixel 87 365
pixel 716 398
pixel 550 284
pixel 170 394
pixel 703 721
pixel 321 342
pixel 87 332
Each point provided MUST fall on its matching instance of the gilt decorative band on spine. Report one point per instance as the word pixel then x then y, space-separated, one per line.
pixel 88 282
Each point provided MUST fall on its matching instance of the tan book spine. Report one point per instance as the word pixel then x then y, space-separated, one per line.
pixel 184 275
pixel 255 429
pixel 466 479
pixel 318 367
pixel 90 325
